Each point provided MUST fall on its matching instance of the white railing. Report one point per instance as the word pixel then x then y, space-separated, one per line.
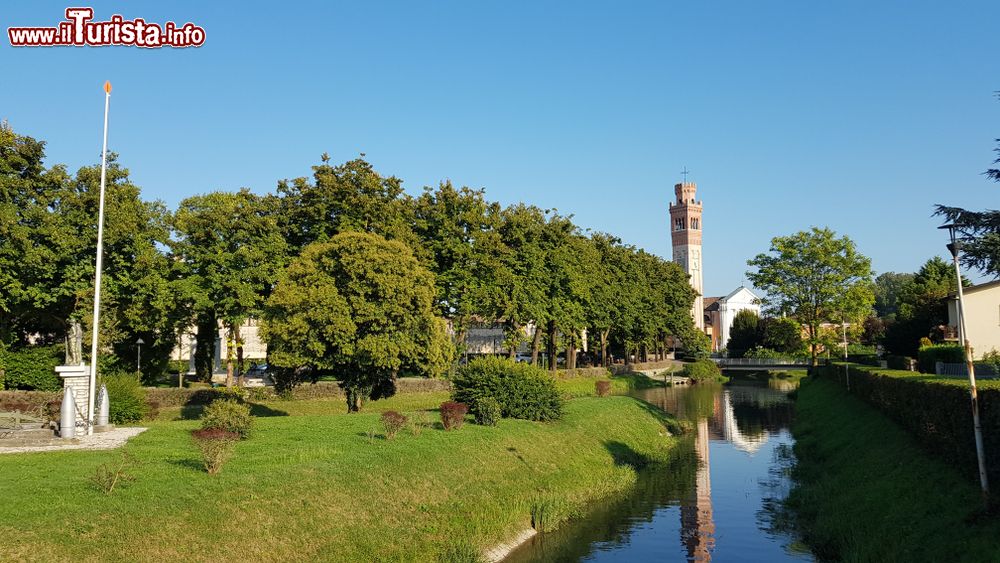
pixel 760 362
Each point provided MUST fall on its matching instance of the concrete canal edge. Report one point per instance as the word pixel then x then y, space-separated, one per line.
pixel 500 552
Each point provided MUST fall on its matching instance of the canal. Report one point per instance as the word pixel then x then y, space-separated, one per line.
pixel 714 502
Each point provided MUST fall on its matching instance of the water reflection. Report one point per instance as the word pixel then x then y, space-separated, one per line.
pixel 709 503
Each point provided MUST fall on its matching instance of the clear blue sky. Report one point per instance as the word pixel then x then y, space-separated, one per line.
pixel 859 116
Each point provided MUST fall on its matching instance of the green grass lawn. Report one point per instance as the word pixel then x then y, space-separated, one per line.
pixel 316 486
pixel 867 492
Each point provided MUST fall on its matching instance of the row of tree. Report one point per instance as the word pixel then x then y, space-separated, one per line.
pixel 218 258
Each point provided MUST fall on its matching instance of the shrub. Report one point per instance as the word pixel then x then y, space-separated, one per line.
pixel 947 353
pixel 453 414
pixel 702 370
pixel 418 421
pixel 126 396
pixel 393 422
pixel 488 412
pixel 216 446
pixel 228 415
pixel 32 367
pixel 522 390
pixel 602 388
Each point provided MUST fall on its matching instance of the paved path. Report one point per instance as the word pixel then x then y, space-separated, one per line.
pixel 102 441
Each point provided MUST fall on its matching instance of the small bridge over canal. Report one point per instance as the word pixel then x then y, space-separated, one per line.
pixel 760 364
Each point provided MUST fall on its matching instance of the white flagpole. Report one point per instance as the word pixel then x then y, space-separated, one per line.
pixel 95 330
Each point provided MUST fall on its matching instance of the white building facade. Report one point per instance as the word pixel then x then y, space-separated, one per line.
pixel 721 312
pixel 982 317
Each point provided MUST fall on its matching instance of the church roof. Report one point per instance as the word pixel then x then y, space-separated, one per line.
pixel 739 290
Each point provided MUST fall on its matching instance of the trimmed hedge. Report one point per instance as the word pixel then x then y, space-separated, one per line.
pixel 935 410
pixel 175 397
pixel 32 367
pixel 523 391
pixel 930 355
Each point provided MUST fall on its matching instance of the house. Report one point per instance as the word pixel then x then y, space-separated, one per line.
pixel 982 316
pixel 720 312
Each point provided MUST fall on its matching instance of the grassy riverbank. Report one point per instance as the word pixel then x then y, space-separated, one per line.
pixel 867 492
pixel 313 485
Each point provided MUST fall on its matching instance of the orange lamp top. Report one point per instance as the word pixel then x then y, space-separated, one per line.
pixel 107 87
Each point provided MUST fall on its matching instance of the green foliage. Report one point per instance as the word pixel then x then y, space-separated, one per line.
pixel 522 390
pixel 697 344
pixel 762 353
pixel 126 397
pixel 815 277
pixel 859 479
pixel 359 307
pixel 32 367
pixel 922 307
pixel 783 334
pixel 928 356
pixel 934 410
pixel 229 415
pixel 460 552
pixel 702 370
pixel 487 411
pixel 746 333
pixel 216 446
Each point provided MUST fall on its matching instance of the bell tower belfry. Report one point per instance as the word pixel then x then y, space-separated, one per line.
pixel 685 233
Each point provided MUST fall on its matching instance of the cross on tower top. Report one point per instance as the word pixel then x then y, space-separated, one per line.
pixel 685 174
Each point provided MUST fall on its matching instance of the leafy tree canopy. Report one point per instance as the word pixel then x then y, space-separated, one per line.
pixel 815 277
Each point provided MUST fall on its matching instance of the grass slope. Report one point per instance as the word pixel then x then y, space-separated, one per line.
pixel 316 487
pixel 865 491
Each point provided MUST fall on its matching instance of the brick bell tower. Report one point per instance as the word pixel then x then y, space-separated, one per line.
pixel 685 233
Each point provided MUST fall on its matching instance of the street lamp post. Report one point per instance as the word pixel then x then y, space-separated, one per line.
pixel 955 247
pixel 847 371
pixel 138 354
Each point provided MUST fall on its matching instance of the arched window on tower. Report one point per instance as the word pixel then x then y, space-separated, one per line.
pixel 695 223
pixel 679 224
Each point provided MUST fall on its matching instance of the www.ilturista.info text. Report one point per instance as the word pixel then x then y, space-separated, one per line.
pixel 79 30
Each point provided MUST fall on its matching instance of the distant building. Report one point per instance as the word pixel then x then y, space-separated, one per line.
pixel 982 317
pixel 720 312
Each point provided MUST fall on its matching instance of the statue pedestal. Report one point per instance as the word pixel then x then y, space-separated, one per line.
pixel 78 379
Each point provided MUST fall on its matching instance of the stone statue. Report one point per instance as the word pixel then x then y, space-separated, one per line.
pixel 74 344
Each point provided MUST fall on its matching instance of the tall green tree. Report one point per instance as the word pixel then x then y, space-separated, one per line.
pixel 351 196
pixel 361 308
pixel 746 333
pixel 48 232
pixel 525 260
pixel 815 277
pixel 459 229
pixel 922 307
pixel 227 252
pixel 888 289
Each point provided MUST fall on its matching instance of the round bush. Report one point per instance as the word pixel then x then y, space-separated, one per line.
pixel 702 370
pixel 126 396
pixel 488 412
pixel 523 391
pixel 228 415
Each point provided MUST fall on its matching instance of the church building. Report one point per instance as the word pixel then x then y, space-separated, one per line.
pixel 713 315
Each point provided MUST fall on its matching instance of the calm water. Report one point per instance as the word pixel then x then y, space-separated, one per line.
pixel 712 503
